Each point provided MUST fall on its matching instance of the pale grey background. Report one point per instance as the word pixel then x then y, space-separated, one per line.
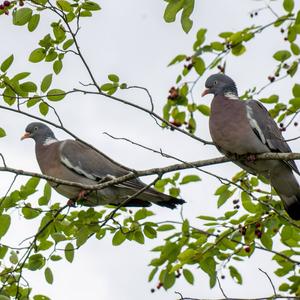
pixel 130 38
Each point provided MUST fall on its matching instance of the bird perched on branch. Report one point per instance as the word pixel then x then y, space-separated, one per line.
pixel 245 128
pixel 74 161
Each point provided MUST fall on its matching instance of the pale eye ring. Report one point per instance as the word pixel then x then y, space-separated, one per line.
pixel 35 128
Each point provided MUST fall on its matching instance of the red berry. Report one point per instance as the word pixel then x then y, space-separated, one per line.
pixel 247 249
pixel 6 3
pixel 257 225
pixel 258 233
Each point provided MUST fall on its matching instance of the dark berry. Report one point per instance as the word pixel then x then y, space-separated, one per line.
pixel 247 249
pixel 190 66
pixel 258 233
pixel 256 13
pixel 1 6
pixel 223 277
pixel 285 38
pixel 152 290
pixel 282 30
pixel 296 124
pixel 159 285
pixel 21 3
pixel 130 211
pixel 173 93
pixel 6 12
pixel 251 15
pixel 271 78
pixel 257 225
pixel 237 206
pixel 281 125
pixel 235 201
pixel 188 58
pixel 6 3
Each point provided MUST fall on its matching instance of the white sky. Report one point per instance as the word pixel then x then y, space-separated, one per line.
pixel 130 38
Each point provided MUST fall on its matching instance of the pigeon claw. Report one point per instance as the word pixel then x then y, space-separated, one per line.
pixel 82 195
pixel 71 203
pixel 251 158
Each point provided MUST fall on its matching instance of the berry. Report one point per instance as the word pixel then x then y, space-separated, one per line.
pixel 223 277
pixel 296 124
pixel 235 201
pixel 6 12
pixel 21 3
pixel 251 15
pixel 173 93
pixel 247 249
pixel 285 38
pixel 281 125
pixel 6 3
pixel 271 78
pixel 258 233
pixel 282 30
pixel 256 13
pixel 188 58
pixel 159 285
pixel 152 290
pixel 257 225
pixel 1 6
pixel 236 206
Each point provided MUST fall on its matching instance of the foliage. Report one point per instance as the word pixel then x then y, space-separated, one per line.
pixel 257 220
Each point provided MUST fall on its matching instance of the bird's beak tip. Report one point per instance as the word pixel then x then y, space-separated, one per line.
pixel 26 135
pixel 205 92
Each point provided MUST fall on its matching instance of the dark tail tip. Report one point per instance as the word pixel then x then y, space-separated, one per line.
pixel 172 203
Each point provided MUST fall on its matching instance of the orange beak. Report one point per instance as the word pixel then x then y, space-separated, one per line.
pixel 205 92
pixel 26 135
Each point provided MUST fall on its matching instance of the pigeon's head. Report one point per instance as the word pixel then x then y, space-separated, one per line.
pixel 219 84
pixel 39 132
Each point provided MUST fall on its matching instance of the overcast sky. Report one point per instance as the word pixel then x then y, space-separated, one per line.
pixel 130 38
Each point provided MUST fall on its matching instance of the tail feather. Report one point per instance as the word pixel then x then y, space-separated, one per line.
pixel 160 199
pixel 287 188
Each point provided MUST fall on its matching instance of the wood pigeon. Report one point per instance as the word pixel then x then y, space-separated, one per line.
pixel 73 161
pixel 245 127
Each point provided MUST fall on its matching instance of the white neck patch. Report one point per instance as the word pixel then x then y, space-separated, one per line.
pixel 49 141
pixel 231 96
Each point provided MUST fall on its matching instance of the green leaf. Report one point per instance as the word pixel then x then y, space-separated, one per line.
pixel 56 95
pixel 248 204
pixel 4 224
pixel 142 214
pixel 199 65
pixel 266 240
pixel 67 44
pixel 40 297
pixel 295 49
pixel 150 232
pixel 288 5
pixel 69 252
pixel 188 275
pixel 224 197
pixel 2 133
pixel 139 237
pixel 113 77
pixel 36 262
pixel 296 90
pixel 217 46
pixel 28 86
pixel 49 275
pixel 7 63
pixel 57 66
pixel 22 16
pixel 204 109
pixel 282 55
pixel 33 22
pixel 64 5
pixel 186 22
pixel 234 273
pixel 238 49
pixel 90 5
pixel 46 82
pixel 190 178
pixel 118 238
pixel 30 213
pixel 177 59
pixel 271 99
pixel 37 55
pixel 165 227
pixel 9 96
pixel 152 274
pixel 44 108
pixel 168 280
pixel 172 9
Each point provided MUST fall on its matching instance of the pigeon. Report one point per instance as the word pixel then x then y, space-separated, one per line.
pixel 74 161
pixel 242 128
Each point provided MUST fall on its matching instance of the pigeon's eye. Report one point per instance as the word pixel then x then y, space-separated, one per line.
pixel 35 128
pixel 215 82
